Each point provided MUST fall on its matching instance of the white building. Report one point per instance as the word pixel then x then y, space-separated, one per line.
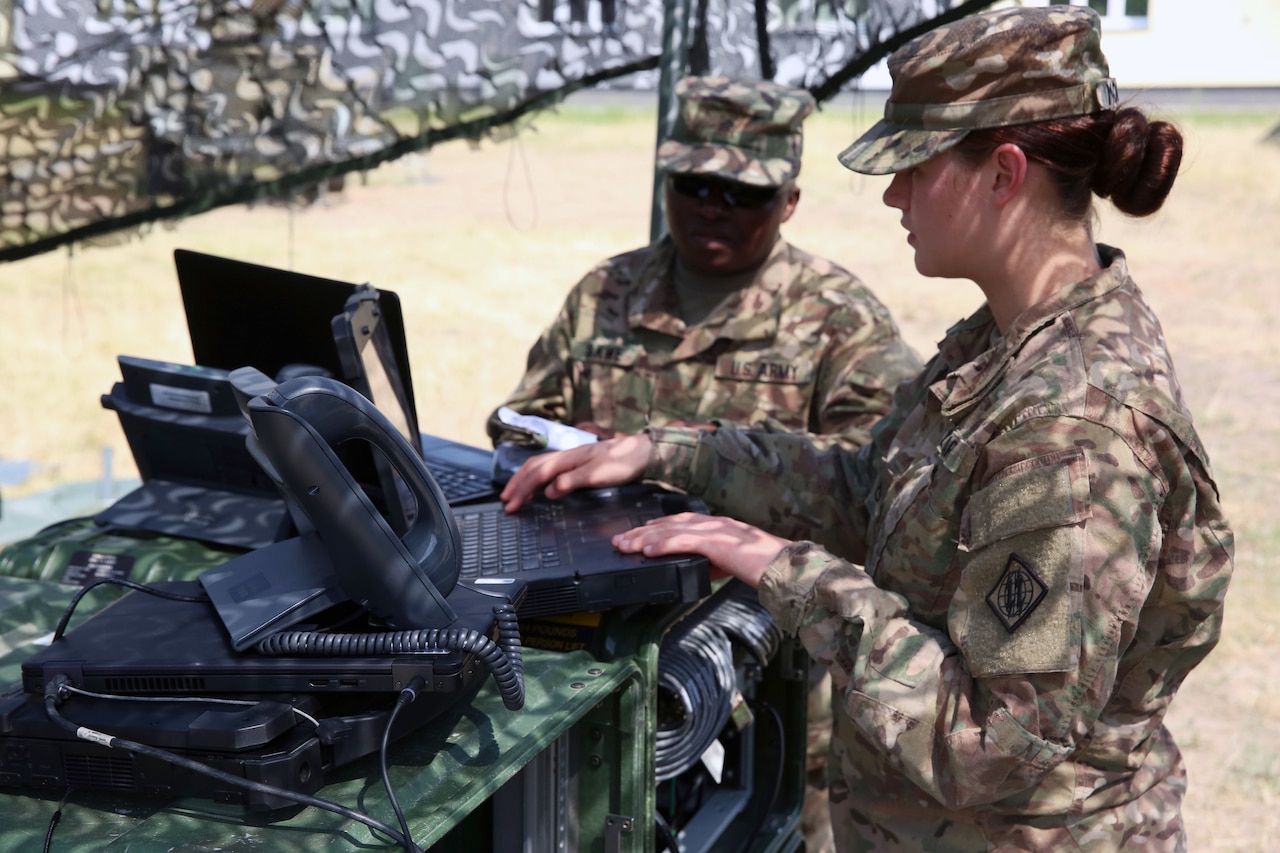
pixel 1179 44
pixel 1190 44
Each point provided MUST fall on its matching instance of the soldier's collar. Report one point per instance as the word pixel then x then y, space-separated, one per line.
pixel 970 381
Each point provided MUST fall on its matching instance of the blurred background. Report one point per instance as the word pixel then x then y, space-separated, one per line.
pixel 481 240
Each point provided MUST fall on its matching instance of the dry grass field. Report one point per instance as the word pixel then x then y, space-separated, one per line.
pixel 481 244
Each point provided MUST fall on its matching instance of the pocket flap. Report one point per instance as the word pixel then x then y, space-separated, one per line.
pixel 1040 493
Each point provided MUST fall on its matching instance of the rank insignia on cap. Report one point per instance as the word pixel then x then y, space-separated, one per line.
pixel 1018 592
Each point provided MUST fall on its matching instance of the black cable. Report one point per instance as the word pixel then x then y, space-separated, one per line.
pixel 695 664
pixel 699 56
pixel 777 779
pixel 150 590
pixel 665 835
pixel 503 658
pixel 767 66
pixel 110 741
pixel 406 697
pixel 509 641
pixel 696 672
pixel 54 821
pixel 750 624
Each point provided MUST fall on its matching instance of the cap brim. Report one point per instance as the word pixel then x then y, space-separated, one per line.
pixel 723 161
pixel 887 148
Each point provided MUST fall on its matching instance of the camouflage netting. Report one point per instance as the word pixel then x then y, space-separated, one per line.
pixel 118 113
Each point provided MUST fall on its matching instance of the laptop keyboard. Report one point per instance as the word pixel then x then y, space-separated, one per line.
pixel 495 543
pixel 458 483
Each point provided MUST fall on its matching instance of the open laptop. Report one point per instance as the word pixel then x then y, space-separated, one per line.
pixel 244 314
pixel 187 437
pixel 560 550
pixel 240 313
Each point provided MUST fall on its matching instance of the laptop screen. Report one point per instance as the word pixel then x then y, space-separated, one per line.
pixel 242 314
pixel 368 365
pixel 367 353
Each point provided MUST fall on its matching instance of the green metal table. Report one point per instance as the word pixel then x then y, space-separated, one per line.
pixel 572 771
pixel 443 774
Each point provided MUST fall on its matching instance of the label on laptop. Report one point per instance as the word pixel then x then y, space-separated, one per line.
pixel 566 632
pixel 85 567
pixel 183 399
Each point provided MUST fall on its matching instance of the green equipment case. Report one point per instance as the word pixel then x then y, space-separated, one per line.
pixel 574 770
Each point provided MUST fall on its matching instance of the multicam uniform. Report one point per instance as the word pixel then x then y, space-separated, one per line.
pixel 1044 560
pixel 805 343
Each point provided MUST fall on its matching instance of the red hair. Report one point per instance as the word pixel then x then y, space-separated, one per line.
pixel 1116 154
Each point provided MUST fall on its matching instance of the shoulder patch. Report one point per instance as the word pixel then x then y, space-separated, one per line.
pixel 1018 592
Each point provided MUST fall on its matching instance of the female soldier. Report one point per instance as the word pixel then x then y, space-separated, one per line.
pixel 1043 552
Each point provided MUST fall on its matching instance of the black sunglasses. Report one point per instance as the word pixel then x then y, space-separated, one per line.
pixel 734 194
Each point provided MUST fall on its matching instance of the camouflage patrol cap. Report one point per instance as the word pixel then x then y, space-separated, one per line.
pixel 1013 66
pixel 740 130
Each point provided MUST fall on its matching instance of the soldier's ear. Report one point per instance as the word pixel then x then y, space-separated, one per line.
pixel 789 201
pixel 1008 173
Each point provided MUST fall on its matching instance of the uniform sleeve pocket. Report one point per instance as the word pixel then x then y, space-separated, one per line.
pixel 907 654
pixel 1017 609
pixel 1047 491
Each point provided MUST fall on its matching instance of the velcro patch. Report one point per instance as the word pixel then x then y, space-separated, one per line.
pixel 1016 594
pixel 1018 605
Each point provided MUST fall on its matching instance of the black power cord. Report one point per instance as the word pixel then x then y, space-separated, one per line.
pixel 695 667
pixel 777 779
pixel 54 694
pixel 53 822
pixel 150 590
pixel 696 678
pixel 665 834
pixel 406 697
pixel 503 658
pixel 696 686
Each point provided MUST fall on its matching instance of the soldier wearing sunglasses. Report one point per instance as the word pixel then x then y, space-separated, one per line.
pixel 722 319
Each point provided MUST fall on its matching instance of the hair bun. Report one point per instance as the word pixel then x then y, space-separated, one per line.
pixel 1138 163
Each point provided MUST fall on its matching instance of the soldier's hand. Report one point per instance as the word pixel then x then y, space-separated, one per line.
pixel 605 463
pixel 731 546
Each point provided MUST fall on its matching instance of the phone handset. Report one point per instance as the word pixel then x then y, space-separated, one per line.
pixel 402 579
